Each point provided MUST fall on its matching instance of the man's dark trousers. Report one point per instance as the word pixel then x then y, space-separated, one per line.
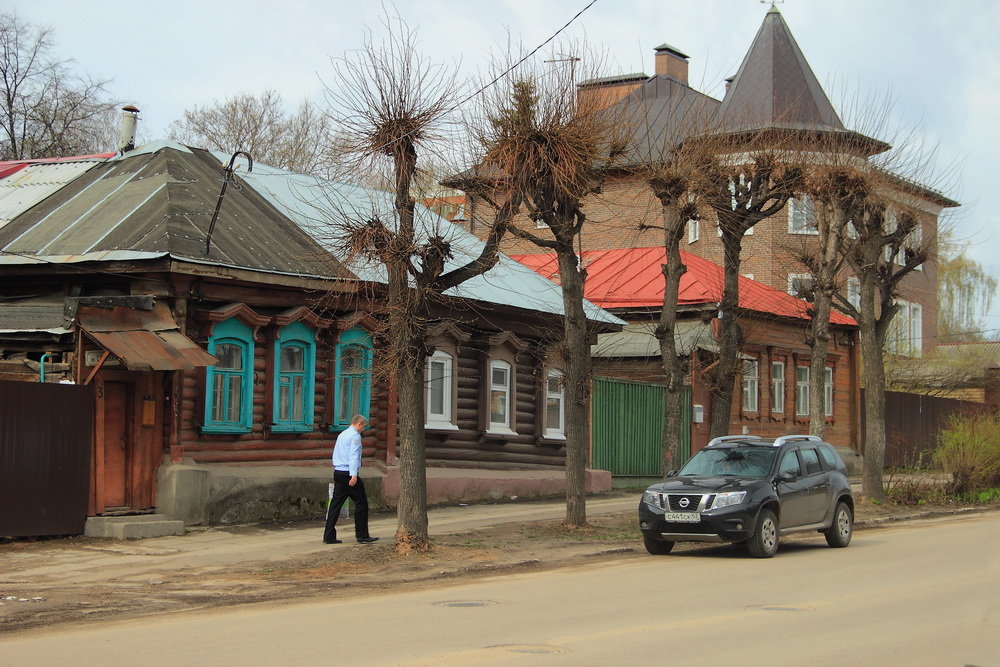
pixel 342 490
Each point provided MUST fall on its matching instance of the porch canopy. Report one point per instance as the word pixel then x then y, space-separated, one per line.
pixel 144 340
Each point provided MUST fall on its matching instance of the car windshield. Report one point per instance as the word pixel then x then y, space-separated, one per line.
pixel 742 461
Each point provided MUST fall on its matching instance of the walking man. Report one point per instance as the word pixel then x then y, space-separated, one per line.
pixel 347 484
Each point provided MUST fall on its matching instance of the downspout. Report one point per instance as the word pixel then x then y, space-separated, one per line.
pixel 41 366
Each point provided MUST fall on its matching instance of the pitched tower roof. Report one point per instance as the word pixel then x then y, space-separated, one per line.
pixel 775 87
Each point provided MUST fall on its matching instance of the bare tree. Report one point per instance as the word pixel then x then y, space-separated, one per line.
pixel 391 104
pixel 45 109
pixel 260 125
pixel 742 189
pixel 832 192
pixel 882 254
pixel 965 294
pixel 551 149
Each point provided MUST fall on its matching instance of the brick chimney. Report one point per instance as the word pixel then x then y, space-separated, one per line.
pixel 671 62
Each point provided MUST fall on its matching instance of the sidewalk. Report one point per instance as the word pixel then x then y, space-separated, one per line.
pixel 91 560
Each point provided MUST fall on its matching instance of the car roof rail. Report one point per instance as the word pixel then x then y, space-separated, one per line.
pixel 778 442
pixel 731 438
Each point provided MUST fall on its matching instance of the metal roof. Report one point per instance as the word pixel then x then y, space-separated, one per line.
pixel 33 183
pixel 632 278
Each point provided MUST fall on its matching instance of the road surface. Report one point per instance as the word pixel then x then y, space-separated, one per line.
pixel 923 593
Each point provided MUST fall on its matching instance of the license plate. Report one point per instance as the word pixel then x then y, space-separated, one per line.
pixel 682 517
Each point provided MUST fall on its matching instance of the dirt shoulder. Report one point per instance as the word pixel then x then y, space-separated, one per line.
pixel 38 586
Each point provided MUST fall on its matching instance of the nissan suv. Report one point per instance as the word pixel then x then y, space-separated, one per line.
pixel 751 490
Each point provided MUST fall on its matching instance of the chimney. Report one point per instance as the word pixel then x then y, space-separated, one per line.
pixel 671 62
pixel 126 138
pixel 729 82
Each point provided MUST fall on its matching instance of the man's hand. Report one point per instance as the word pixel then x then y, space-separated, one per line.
pixel 354 480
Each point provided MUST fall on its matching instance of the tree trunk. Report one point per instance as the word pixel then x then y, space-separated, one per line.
pixel 873 380
pixel 577 358
pixel 730 340
pixel 673 366
pixel 411 530
pixel 820 339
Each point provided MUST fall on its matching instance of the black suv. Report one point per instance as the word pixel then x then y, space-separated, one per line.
pixel 742 488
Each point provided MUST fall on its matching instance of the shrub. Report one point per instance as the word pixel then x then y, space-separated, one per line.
pixel 970 451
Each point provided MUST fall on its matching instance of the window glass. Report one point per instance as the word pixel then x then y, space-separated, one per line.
pixel 499 394
pixel 439 376
pixel 353 377
pixel 802 216
pixel 802 390
pixel 789 465
pixel 229 383
pixel 750 383
pixel 830 458
pixel 294 379
pixel 437 387
pixel 554 411
pixel 778 386
pixel 811 460
pixel 828 391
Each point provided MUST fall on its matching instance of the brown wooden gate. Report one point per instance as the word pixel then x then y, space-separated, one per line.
pixel 46 434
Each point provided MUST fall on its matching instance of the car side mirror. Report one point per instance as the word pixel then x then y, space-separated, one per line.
pixel 671 473
pixel 787 477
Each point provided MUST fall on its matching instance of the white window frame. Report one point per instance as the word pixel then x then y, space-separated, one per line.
pixel 802 205
pixel 501 427
pixel 694 231
pixel 916 330
pixel 854 292
pixel 828 391
pixel 558 431
pixel 778 386
pixel 801 391
pixel 443 419
pixel 751 385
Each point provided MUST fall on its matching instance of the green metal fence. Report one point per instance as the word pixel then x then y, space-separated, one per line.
pixel 627 423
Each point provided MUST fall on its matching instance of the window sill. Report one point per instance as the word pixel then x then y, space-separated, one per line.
pixel 440 426
pixel 292 428
pixel 804 232
pixel 499 431
pixel 226 430
pixel 554 436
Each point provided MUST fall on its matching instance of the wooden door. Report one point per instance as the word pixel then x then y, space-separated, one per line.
pixel 117 443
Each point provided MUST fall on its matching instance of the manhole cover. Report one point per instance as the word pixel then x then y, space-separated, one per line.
pixel 527 648
pixel 466 603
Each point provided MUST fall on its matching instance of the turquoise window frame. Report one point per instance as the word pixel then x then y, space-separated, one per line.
pixel 299 335
pixel 230 332
pixel 356 338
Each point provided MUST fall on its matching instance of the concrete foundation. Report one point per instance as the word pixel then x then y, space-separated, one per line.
pixel 226 494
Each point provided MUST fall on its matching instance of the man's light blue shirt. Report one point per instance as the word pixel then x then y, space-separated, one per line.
pixel 347 451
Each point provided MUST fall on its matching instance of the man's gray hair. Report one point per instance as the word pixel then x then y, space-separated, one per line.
pixel 358 419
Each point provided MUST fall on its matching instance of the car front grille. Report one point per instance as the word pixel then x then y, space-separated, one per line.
pixel 687 502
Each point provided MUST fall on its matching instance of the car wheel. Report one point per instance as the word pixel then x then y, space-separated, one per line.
pixel 764 542
pixel 657 547
pixel 840 531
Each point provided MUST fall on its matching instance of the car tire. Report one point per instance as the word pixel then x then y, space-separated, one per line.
pixel 838 535
pixel 764 543
pixel 657 547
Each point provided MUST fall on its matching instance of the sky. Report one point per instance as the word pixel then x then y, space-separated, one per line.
pixel 938 62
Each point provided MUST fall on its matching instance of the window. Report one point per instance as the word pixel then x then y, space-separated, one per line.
pixel 751 372
pixel 802 216
pixel 905 336
pixel 500 397
pixel 802 390
pixel 778 386
pixel 800 285
pixel 811 461
pixel 439 379
pixel 294 373
pixel 555 415
pixel 828 391
pixel 352 377
pixel 229 383
pixel 916 330
pixel 789 465
pixel 693 231
pixel 854 293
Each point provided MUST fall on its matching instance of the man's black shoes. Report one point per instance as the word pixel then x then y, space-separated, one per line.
pixel 367 540
pixel 332 541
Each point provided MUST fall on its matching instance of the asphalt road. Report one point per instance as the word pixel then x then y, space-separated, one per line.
pixel 922 593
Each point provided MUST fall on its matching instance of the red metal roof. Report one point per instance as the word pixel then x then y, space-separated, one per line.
pixel 8 167
pixel 633 278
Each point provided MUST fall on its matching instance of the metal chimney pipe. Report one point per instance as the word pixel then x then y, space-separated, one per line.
pixel 126 138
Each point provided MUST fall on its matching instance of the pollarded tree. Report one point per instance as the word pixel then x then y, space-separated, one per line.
pixel 742 189
pixel 885 247
pixel 544 146
pixel 391 104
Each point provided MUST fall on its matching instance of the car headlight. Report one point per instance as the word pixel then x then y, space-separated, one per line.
pixel 652 498
pixel 728 498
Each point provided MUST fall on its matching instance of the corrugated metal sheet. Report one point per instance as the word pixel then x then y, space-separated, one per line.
pixel 32 184
pixel 637 339
pixel 143 339
pixel 46 433
pixel 40 314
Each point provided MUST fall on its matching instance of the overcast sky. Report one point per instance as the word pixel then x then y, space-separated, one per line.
pixel 939 61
